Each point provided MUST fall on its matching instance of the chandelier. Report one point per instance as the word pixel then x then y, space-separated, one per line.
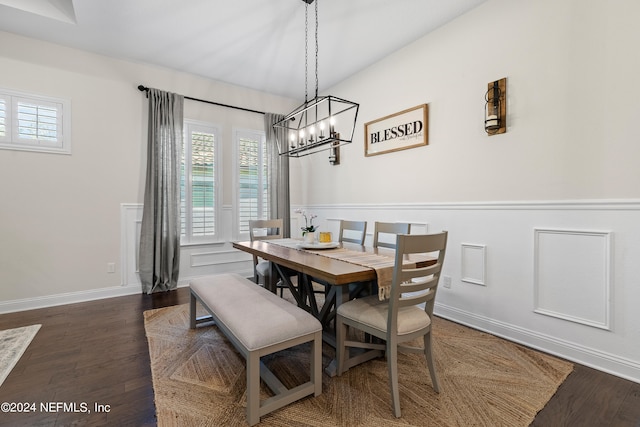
pixel 322 123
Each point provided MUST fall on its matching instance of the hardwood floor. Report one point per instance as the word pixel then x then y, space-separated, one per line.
pixel 96 353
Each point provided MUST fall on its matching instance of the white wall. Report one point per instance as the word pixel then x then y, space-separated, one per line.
pixel 60 220
pixel 573 101
pixel 568 162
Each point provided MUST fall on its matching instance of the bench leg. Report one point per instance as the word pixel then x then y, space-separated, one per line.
pixel 253 389
pixel 316 363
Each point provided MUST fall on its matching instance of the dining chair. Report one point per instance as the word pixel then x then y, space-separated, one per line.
pixel 405 316
pixel 265 229
pixel 356 231
pixel 387 228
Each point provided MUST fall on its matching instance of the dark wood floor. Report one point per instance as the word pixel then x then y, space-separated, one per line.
pixel 96 353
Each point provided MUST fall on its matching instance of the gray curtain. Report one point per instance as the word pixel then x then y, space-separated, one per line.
pixel 278 173
pixel 159 255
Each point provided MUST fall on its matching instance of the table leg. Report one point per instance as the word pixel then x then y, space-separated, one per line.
pixel 286 280
pixel 306 289
pixel 342 296
pixel 271 284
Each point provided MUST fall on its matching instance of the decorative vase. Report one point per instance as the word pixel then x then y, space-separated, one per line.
pixel 309 237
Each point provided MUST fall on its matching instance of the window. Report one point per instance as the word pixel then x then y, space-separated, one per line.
pixel 252 178
pixel 199 183
pixel 34 123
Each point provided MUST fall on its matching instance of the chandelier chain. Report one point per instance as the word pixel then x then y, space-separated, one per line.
pixel 316 2
pixel 306 55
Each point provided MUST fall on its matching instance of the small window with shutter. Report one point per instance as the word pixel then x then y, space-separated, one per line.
pixel 34 123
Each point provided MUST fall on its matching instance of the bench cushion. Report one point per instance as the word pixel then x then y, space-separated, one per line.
pixel 257 317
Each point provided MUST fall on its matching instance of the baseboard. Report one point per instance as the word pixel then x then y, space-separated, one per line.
pixel 596 359
pixel 67 298
pixel 13 306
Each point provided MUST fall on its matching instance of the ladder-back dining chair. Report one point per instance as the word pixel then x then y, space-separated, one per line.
pixel 264 229
pixel 405 316
pixel 351 232
pixel 356 231
pixel 387 228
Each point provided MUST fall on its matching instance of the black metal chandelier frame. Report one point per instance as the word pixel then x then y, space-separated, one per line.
pixel 322 123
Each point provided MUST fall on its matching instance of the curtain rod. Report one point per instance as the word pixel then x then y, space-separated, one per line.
pixel 142 88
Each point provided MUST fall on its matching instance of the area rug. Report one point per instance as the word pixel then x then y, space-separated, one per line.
pixel 199 380
pixel 13 343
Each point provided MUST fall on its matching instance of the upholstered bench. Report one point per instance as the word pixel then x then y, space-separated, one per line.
pixel 259 323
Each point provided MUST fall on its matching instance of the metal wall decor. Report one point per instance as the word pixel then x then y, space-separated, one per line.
pixel 495 111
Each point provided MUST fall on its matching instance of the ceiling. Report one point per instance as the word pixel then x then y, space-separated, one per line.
pixel 257 44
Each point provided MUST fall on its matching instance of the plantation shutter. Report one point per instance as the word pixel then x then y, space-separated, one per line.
pixel 253 196
pixel 4 134
pixel 37 123
pixel 203 181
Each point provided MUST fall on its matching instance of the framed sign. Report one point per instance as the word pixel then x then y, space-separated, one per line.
pixel 399 131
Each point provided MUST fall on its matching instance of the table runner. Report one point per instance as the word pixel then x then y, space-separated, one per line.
pixel 383 265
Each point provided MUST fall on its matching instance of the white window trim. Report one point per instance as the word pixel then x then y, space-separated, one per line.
pixel 236 180
pixel 11 142
pixel 218 237
pixel 8 106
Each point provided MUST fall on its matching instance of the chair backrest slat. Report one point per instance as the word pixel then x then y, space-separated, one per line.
pixel 416 285
pixel 357 227
pixel 388 228
pixel 272 227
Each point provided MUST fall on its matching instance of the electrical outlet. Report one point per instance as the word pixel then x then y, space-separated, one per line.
pixel 446 282
pixel 111 267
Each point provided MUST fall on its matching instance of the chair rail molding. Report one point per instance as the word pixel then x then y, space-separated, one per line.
pixel 572 204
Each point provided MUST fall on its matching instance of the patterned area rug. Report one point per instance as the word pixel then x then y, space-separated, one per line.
pixel 199 380
pixel 13 343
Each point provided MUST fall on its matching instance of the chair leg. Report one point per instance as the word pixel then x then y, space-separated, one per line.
pixel 392 364
pixel 192 311
pixel 429 356
pixel 341 350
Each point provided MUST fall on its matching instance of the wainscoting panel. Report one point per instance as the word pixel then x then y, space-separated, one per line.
pixel 419 228
pixel 212 258
pixel 473 264
pixel 563 288
pixel 215 258
pixel 130 223
pixel 573 275
pixel 195 260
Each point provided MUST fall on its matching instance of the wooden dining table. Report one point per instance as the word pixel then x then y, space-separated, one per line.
pixel 310 266
pixel 342 278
